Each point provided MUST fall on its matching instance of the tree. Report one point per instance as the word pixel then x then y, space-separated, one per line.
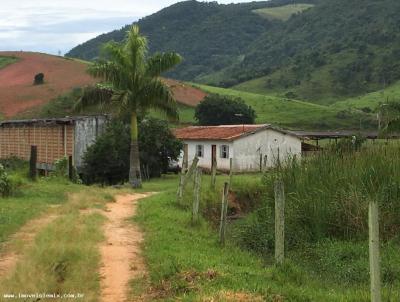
pixel 107 160
pixel 134 79
pixel 217 109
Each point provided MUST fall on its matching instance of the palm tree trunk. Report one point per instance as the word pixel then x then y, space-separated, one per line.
pixel 135 178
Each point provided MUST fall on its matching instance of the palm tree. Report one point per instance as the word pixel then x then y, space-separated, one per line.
pixel 134 81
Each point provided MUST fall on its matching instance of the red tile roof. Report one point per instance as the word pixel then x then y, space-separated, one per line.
pixel 225 132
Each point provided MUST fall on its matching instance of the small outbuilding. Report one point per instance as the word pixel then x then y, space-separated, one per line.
pixel 54 138
pixel 251 147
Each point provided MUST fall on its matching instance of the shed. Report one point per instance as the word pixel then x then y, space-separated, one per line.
pixel 251 147
pixel 55 138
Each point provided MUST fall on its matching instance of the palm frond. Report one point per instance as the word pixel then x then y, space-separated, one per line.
pixel 136 47
pixel 161 63
pixel 94 96
pixel 159 97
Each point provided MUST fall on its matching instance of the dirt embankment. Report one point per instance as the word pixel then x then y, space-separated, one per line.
pixel 18 94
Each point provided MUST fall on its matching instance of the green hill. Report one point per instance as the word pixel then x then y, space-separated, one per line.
pixel 210 36
pixel 337 49
pixel 284 12
pixel 370 101
pixel 294 114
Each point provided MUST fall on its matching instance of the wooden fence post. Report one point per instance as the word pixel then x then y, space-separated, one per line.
pixel 374 258
pixel 184 178
pixel 213 173
pixel 32 163
pixel 70 168
pixel 224 213
pixel 230 172
pixel 279 221
pixel 196 197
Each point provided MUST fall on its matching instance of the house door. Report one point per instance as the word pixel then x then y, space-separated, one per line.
pixel 213 155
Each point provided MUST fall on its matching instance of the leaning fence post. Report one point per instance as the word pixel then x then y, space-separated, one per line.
pixel 196 198
pixel 374 258
pixel 213 172
pixel 224 212
pixel 279 221
pixel 32 163
pixel 184 178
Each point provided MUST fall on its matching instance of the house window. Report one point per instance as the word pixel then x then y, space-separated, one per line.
pixel 224 151
pixel 199 150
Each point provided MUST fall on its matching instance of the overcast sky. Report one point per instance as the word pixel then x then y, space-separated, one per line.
pixel 54 26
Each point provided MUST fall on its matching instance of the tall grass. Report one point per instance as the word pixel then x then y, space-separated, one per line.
pixel 327 198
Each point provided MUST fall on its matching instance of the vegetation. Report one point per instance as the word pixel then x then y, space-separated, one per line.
pixel 222 110
pixel 39 79
pixel 186 262
pixel 134 87
pixel 284 12
pixel 209 35
pixel 107 160
pixel 310 55
pixel 4 61
pixel 64 256
pixel 291 113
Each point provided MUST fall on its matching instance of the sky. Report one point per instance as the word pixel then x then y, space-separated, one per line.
pixel 56 26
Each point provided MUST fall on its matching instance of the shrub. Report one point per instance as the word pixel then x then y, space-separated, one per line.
pixel 5 183
pixel 107 161
pixel 224 110
pixel 39 79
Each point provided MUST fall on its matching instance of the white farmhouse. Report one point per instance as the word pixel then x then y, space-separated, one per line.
pixel 251 147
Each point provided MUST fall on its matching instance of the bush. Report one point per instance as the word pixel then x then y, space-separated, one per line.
pixel 39 79
pixel 5 183
pixel 107 161
pixel 223 110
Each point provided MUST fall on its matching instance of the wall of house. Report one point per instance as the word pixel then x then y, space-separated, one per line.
pixel 263 149
pixel 205 160
pixel 86 132
pixel 53 141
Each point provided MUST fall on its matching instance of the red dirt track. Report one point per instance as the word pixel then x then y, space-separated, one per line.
pixel 18 94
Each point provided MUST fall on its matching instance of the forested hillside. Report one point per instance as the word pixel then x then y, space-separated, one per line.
pixel 337 48
pixel 326 51
pixel 209 36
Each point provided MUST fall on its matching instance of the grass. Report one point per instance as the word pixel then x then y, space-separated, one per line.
pixel 282 13
pixel 371 100
pixel 31 200
pixel 4 61
pixel 64 257
pixel 186 263
pixel 293 113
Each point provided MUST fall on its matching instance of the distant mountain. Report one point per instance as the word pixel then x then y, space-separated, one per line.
pixel 321 50
pixel 210 36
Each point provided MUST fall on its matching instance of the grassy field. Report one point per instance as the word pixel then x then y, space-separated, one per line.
pixel 293 113
pixel 4 61
pixel 64 256
pixel 186 263
pixel 371 100
pixel 282 12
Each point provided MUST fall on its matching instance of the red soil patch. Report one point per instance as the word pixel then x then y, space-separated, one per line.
pixel 185 94
pixel 18 94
